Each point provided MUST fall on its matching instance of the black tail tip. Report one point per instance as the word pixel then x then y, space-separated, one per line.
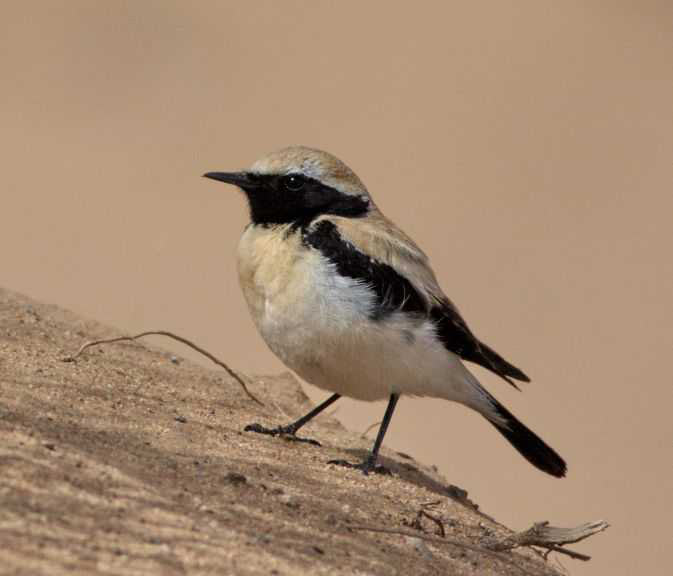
pixel 529 445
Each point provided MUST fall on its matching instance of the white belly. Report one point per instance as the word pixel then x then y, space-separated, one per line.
pixel 318 323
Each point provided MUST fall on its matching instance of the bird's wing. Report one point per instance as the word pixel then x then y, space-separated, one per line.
pixel 375 251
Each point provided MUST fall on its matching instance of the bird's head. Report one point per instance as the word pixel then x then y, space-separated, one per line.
pixel 296 184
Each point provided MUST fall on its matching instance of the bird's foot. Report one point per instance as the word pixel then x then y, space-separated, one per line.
pixel 366 466
pixel 286 432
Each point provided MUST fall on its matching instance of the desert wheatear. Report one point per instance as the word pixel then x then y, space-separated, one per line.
pixel 349 302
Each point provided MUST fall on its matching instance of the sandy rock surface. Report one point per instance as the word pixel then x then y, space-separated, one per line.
pixel 133 461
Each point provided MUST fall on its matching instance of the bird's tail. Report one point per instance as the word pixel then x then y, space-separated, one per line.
pixel 500 366
pixel 526 442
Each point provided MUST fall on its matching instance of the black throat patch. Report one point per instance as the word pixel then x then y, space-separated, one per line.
pixel 272 203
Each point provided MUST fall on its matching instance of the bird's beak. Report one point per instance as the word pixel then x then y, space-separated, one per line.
pixel 240 179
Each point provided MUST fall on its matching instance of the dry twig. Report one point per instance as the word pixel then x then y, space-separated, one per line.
pixel 551 538
pixel 540 534
pixel 438 522
pixel 442 542
pixel 423 513
pixel 193 346
pixel 369 429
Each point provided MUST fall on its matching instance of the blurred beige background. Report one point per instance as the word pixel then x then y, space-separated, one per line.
pixel 527 146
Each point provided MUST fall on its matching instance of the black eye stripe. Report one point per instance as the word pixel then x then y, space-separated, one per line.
pixel 297 199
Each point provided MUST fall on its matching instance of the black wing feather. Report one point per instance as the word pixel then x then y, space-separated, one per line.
pixel 394 292
pixel 457 337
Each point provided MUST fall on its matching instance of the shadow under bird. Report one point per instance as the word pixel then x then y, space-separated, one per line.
pixel 349 302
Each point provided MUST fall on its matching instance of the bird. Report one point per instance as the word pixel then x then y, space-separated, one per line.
pixel 349 302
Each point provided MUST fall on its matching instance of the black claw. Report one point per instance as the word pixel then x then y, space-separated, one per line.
pixel 285 432
pixel 255 427
pixel 366 466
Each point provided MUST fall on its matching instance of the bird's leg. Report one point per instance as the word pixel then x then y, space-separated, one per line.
pixel 369 464
pixel 290 431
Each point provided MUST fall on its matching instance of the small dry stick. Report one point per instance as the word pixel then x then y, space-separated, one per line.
pixel 369 429
pixel 207 354
pixel 424 514
pixel 442 541
pixel 540 534
pixel 551 538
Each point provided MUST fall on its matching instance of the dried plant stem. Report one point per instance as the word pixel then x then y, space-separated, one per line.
pixel 552 538
pixel 184 341
pixel 541 535
pixel 369 429
pixel 442 542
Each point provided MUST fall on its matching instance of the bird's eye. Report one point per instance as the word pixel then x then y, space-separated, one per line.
pixel 293 182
